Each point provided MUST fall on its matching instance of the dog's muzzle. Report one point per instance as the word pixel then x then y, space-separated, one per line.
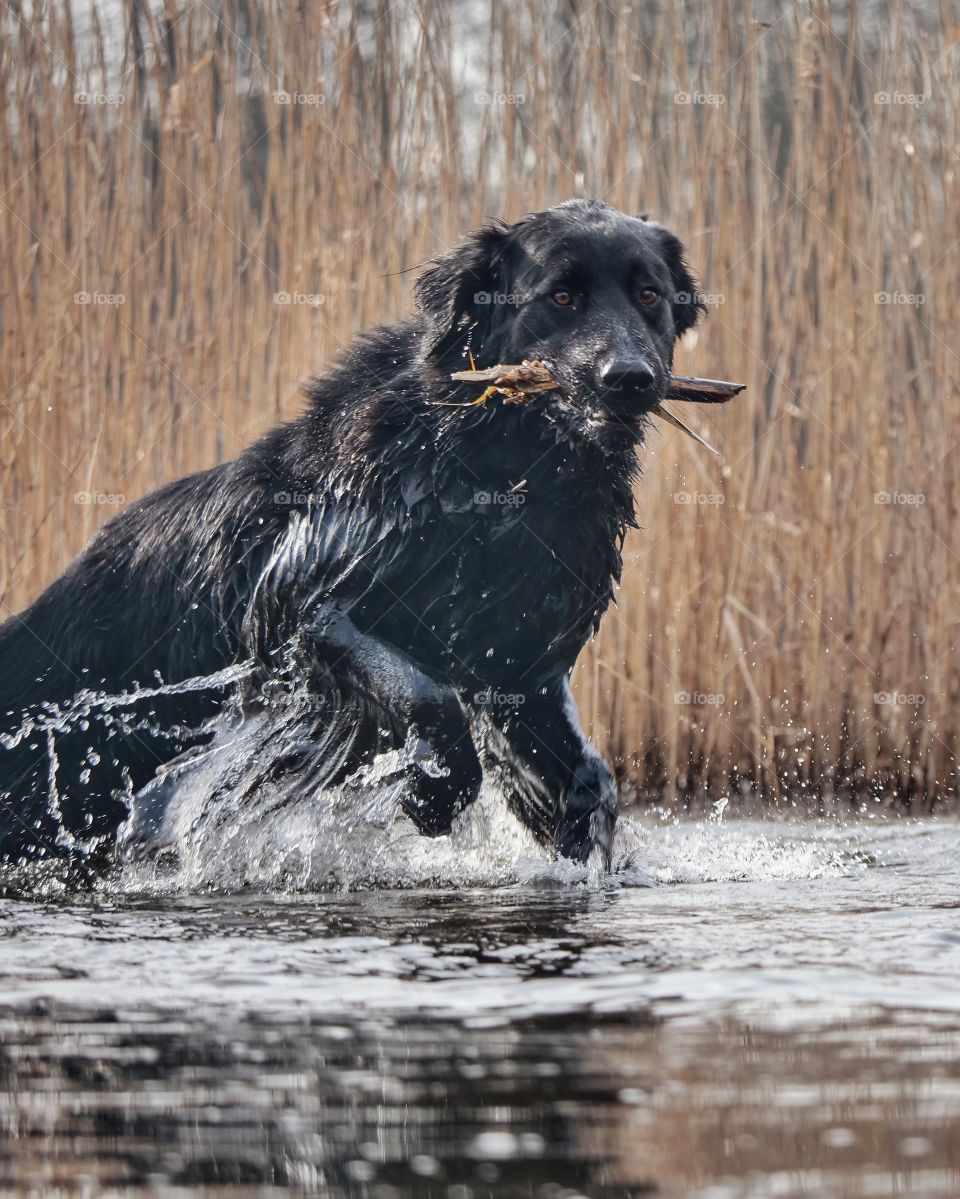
pixel 631 386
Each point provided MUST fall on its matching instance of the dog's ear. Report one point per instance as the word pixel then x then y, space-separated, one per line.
pixel 457 294
pixel 686 299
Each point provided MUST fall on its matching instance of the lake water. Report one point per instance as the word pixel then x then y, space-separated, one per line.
pixel 740 1009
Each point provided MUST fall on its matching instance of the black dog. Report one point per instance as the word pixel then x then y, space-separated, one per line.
pixel 425 572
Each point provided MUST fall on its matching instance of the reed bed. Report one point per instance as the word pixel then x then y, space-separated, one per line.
pixel 202 201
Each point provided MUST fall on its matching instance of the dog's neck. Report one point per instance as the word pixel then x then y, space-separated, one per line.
pixel 514 471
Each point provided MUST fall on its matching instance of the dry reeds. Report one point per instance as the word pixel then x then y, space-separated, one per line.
pixel 199 207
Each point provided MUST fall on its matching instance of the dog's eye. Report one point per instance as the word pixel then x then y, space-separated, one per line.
pixel 562 297
pixel 648 296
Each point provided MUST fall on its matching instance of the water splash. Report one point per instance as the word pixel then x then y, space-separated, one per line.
pixel 232 815
pixel 51 719
pixel 351 837
pixel 356 837
pixel 708 852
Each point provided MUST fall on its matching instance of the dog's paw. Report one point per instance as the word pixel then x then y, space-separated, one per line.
pixel 588 814
pixel 438 787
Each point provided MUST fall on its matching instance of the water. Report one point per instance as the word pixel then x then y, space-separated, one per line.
pixel 776 1013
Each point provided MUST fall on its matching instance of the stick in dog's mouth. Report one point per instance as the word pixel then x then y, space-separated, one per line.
pixel 531 377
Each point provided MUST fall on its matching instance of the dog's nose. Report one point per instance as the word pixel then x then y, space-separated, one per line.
pixel 628 375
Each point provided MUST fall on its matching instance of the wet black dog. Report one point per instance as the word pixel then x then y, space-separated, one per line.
pixel 426 573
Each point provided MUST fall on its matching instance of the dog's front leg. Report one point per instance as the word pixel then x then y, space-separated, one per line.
pixel 554 779
pixel 443 773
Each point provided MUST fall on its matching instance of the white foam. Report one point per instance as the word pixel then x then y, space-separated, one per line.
pixel 356 837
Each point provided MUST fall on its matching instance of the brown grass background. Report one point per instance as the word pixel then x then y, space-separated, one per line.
pixel 815 167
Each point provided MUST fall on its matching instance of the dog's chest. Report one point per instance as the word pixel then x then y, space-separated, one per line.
pixel 500 578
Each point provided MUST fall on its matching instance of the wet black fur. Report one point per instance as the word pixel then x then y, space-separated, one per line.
pixel 426 575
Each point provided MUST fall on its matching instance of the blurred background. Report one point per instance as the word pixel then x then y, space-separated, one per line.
pixel 201 203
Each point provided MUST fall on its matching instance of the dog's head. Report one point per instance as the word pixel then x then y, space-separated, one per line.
pixel 599 297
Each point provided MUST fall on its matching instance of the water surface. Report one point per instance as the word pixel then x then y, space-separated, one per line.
pixel 776 1014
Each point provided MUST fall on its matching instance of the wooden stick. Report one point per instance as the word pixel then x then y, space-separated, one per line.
pixel 534 376
pixel 702 391
pixel 530 377
pixel 678 424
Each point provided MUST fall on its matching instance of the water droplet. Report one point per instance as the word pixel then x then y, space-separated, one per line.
pixel 493 1146
pixel 424 1165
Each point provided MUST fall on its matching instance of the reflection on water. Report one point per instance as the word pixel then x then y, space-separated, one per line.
pixel 747 1032
pixel 611 1107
